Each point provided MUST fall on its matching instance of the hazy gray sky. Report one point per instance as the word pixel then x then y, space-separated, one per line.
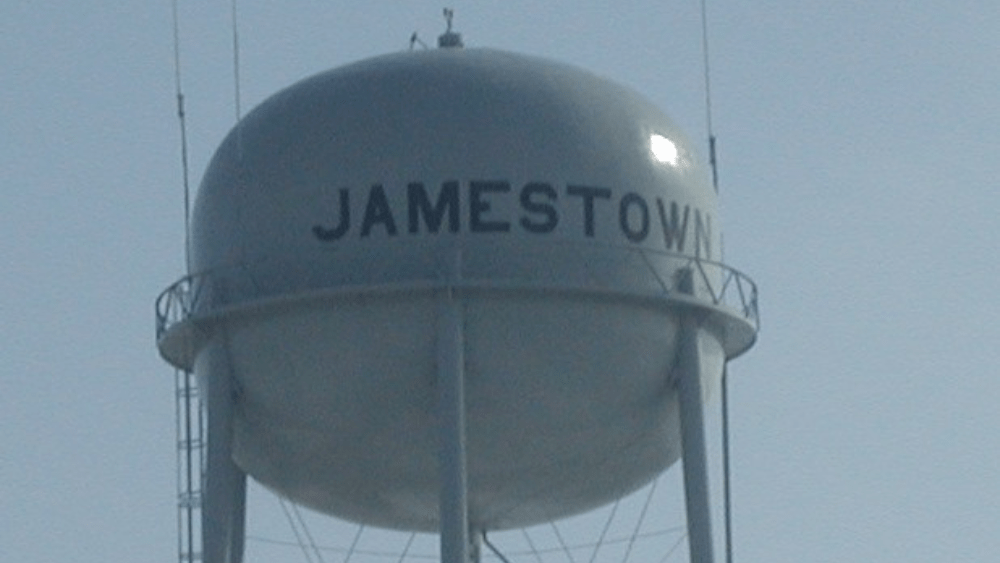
pixel 858 144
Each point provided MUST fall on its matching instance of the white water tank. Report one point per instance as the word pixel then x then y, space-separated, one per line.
pixel 566 213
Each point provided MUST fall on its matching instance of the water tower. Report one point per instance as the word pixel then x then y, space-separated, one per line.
pixel 453 290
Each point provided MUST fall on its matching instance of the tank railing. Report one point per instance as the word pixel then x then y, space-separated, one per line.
pixel 721 284
pixel 659 279
pixel 725 286
pixel 177 302
pixel 745 288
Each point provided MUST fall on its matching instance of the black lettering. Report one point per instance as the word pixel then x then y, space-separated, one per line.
pixel 702 235
pixel 330 235
pixel 630 200
pixel 674 228
pixel 418 203
pixel 479 206
pixel 543 208
pixel 588 194
pixel 377 211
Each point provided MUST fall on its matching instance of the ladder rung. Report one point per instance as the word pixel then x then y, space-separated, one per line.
pixel 184 501
pixel 183 392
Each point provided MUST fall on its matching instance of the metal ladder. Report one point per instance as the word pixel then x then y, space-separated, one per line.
pixel 190 466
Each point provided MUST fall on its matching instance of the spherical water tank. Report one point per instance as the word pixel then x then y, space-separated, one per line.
pixel 565 213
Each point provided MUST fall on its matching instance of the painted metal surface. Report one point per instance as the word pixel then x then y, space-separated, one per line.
pixel 556 206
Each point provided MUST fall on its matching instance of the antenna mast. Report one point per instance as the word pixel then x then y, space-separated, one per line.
pixel 190 425
pixel 708 97
pixel 713 162
pixel 184 147
pixel 449 39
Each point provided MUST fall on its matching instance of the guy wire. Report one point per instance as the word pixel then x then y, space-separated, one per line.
pixel 236 81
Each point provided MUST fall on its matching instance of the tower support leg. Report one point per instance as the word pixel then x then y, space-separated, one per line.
pixel 454 511
pixel 694 458
pixel 223 511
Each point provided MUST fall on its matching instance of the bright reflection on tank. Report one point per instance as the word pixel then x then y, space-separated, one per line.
pixel 663 149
